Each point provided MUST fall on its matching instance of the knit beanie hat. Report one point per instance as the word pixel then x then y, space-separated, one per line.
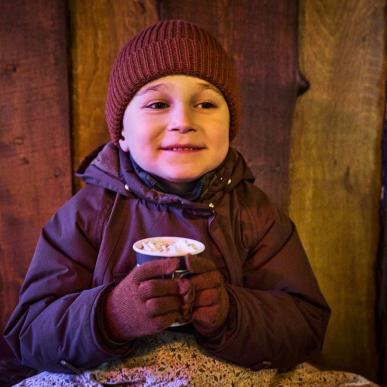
pixel 165 48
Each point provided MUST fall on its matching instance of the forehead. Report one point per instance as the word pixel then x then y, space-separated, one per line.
pixel 172 82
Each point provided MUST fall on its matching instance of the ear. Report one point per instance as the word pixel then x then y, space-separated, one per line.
pixel 123 143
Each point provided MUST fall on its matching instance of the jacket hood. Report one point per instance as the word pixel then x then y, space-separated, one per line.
pixel 112 169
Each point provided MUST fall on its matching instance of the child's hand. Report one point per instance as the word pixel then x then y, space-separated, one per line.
pixel 143 303
pixel 211 305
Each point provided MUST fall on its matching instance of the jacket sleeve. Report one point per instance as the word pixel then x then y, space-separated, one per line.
pixel 56 318
pixel 278 316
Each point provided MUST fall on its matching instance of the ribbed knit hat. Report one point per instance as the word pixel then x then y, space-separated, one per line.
pixel 165 48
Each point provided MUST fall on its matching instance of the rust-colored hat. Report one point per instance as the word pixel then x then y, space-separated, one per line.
pixel 165 48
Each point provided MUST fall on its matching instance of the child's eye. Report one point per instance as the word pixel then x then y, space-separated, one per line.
pixel 206 105
pixel 157 105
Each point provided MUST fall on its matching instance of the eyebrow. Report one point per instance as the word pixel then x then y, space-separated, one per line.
pixel 158 86
pixel 205 86
pixel 151 88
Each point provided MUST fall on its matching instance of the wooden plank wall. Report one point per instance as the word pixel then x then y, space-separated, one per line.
pixel 98 30
pixel 335 166
pixel 35 173
pixel 324 170
pixel 381 267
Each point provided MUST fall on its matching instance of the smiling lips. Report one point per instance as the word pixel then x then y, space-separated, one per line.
pixel 182 148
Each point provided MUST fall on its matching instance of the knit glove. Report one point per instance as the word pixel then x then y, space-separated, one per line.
pixel 211 304
pixel 144 303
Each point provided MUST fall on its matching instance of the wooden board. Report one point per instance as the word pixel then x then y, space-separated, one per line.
pixel 335 167
pixel 266 58
pixel 381 266
pixel 98 30
pixel 35 173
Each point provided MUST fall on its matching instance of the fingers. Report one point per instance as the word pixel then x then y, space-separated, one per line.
pixel 186 312
pixel 163 305
pixel 206 316
pixel 184 285
pixel 154 269
pixel 207 297
pixel 159 323
pixel 158 288
pixel 212 279
pixel 196 264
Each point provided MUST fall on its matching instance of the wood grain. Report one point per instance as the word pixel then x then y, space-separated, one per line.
pixel 34 132
pixel 381 266
pixel 98 30
pixel 335 167
pixel 266 58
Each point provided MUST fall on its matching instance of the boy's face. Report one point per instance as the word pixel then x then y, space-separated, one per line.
pixel 177 127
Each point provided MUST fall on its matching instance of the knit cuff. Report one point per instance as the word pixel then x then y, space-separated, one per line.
pixel 105 337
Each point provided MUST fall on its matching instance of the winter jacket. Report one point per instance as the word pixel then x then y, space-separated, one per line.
pixel 277 318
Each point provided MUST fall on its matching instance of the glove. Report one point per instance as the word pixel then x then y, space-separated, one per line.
pixel 211 304
pixel 144 303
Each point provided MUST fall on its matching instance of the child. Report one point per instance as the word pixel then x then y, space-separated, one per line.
pixel 172 108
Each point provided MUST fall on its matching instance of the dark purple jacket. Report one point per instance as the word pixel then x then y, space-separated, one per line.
pixel 278 315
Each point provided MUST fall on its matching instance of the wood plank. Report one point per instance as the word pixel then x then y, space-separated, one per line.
pixel 335 167
pixel 98 29
pixel 381 266
pixel 35 175
pixel 266 58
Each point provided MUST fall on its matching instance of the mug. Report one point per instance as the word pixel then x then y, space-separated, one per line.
pixel 150 249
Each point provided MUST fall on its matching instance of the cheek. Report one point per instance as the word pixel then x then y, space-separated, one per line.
pixel 137 135
pixel 222 143
pixel 145 131
pixel 223 148
pixel 220 134
pixel 143 145
pixel 221 124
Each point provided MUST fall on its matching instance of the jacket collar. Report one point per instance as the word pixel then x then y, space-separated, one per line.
pixel 105 167
pixel 152 182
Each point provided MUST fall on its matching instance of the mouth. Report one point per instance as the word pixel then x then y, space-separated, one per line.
pixel 182 148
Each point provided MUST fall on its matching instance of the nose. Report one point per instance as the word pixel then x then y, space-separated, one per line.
pixel 181 119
